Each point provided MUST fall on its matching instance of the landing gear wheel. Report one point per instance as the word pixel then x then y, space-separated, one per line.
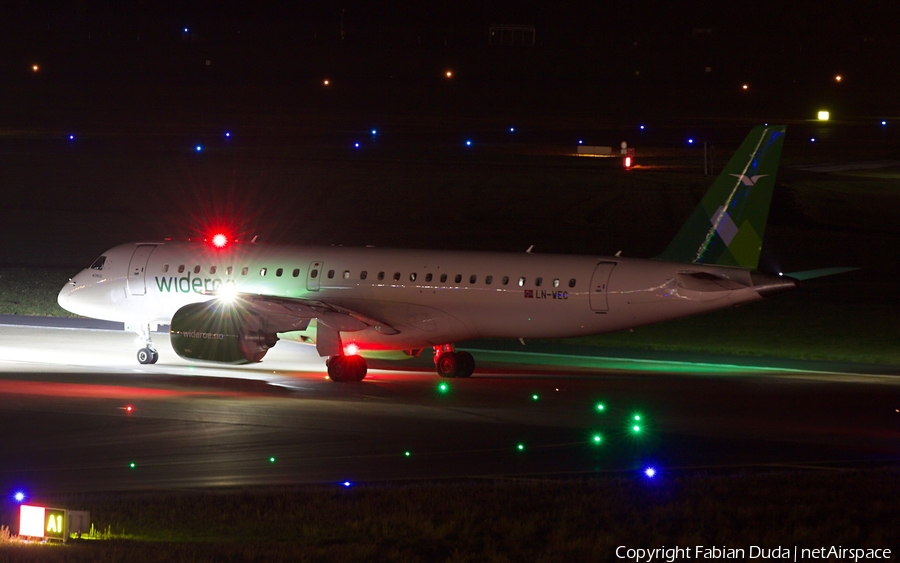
pixel 447 364
pixel 147 356
pixel 343 369
pixel 466 364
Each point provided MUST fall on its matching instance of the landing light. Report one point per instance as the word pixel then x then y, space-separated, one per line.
pixel 823 115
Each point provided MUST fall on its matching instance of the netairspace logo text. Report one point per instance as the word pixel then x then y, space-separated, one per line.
pixel 795 553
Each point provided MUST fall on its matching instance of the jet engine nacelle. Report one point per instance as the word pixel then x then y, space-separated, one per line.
pixel 218 332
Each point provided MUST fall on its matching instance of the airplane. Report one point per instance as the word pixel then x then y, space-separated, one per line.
pixel 229 302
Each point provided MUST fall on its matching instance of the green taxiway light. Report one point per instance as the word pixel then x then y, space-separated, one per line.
pixel 636 428
pixel 520 447
pixel 272 459
pixel 535 397
pixel 637 417
pixel 132 465
pixel 597 438
pixel 601 407
pixel 406 453
pixel 443 388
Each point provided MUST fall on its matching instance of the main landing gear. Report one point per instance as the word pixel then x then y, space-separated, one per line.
pixel 449 363
pixel 346 369
pixel 147 354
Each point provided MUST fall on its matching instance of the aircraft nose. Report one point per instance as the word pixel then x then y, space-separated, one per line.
pixel 65 294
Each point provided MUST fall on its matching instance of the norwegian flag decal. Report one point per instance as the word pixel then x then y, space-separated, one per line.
pixel 529 294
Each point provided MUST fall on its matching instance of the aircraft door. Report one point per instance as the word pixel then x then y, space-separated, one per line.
pixel 313 275
pixel 600 286
pixel 137 269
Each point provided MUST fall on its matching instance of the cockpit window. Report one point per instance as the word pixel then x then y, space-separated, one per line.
pixel 98 263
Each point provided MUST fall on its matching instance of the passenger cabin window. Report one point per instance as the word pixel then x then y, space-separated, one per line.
pixel 296 272
pixel 427 277
pixel 346 274
pixel 279 271
pixel 363 275
pixel 314 273
pixel 245 270
pixel 473 279
pixel 228 270
pixel 181 269
pixel 572 282
pixel 412 277
pixel 521 282
pixel 165 267
pixel 443 278
pixel 458 278
pixel 330 274
pixel 556 282
pixel 197 269
pixel 380 276
pixel 396 276
pixel 263 271
pixel 538 282
pixel 489 280
pixel 98 263
pixel 212 269
pixel 505 280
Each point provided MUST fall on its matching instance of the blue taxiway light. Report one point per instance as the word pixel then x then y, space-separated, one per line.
pixel 580 141
pixel 19 496
pixel 812 140
pixel 347 484
pixel 374 131
pixel 512 129
pixel 198 148
pixel 227 134
pixel 71 137
pixel 641 127
pixel 468 143
pixel 650 472
pixel 690 141
pixel 884 122
pixel 355 145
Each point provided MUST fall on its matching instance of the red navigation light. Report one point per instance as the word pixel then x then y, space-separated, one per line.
pixel 219 240
pixel 351 349
pixel 627 163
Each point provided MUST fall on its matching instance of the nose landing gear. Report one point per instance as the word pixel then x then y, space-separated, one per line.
pixel 147 354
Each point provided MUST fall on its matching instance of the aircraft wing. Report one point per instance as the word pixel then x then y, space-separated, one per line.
pixel 285 314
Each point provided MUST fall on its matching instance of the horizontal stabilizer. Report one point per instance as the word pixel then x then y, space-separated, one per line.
pixel 820 273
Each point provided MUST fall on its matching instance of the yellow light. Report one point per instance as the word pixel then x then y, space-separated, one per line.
pixel 326 82
pixel 35 68
pixel 449 74
pixel 838 78
pixel 824 115
pixel 745 87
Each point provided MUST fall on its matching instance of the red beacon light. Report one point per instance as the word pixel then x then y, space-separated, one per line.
pixel 219 240
pixel 627 162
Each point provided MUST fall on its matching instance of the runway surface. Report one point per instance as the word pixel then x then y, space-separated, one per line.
pixel 65 393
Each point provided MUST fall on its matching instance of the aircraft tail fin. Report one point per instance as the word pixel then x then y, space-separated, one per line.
pixel 727 227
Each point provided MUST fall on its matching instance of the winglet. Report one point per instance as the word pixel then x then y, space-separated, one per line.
pixel 727 227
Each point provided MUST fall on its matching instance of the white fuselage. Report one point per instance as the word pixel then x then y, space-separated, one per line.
pixel 418 298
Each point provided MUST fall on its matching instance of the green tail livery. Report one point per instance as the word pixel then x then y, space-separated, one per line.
pixel 727 227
